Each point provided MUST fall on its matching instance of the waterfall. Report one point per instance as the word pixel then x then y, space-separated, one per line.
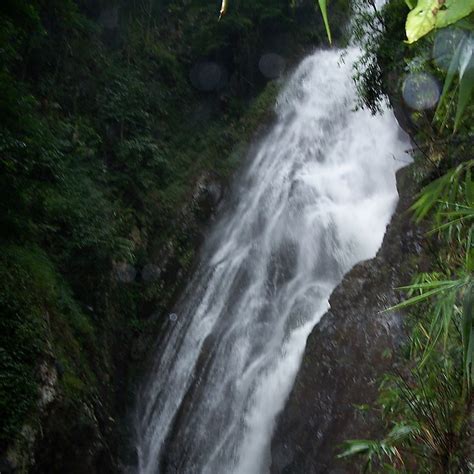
pixel 313 200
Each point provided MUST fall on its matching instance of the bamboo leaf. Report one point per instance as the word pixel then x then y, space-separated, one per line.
pixel 433 288
pixel 400 432
pixel 356 446
pixel 430 195
pixel 416 299
pixel 432 284
pixel 435 331
pixel 450 224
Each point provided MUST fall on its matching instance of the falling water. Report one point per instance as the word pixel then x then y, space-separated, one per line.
pixel 314 200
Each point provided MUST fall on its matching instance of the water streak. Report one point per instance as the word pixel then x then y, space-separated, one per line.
pixel 314 200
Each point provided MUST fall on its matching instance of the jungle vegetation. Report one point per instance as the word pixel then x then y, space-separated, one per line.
pixel 427 401
pixel 104 131
pixel 110 112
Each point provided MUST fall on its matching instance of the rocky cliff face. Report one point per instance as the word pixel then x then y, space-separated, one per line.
pixel 347 354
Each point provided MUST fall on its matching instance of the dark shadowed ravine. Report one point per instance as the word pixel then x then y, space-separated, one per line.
pixel 314 200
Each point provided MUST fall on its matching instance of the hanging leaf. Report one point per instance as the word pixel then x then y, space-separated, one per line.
pixel 421 20
pixel 430 14
pixel 324 12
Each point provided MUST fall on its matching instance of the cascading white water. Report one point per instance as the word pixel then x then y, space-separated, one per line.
pixel 314 200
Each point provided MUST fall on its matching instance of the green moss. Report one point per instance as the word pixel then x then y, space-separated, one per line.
pixel 74 388
pixel 26 286
pixel 38 313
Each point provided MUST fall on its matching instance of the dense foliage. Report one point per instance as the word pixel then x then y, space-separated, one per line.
pixel 427 401
pixel 110 112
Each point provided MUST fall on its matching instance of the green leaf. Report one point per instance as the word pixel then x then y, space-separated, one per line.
pixel 356 446
pixel 442 316
pixel 430 195
pixel 324 12
pixel 400 432
pixel 421 20
pixel 430 14
pixel 431 285
pixel 453 10
pixel 416 299
pixel 432 288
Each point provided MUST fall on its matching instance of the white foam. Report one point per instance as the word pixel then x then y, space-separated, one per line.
pixel 316 199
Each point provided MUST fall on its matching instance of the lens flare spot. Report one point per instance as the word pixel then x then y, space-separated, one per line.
pixel 445 45
pixel 208 76
pixel 272 65
pixel 124 272
pixel 420 91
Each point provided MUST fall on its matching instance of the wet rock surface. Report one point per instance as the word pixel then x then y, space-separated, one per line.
pixel 347 354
